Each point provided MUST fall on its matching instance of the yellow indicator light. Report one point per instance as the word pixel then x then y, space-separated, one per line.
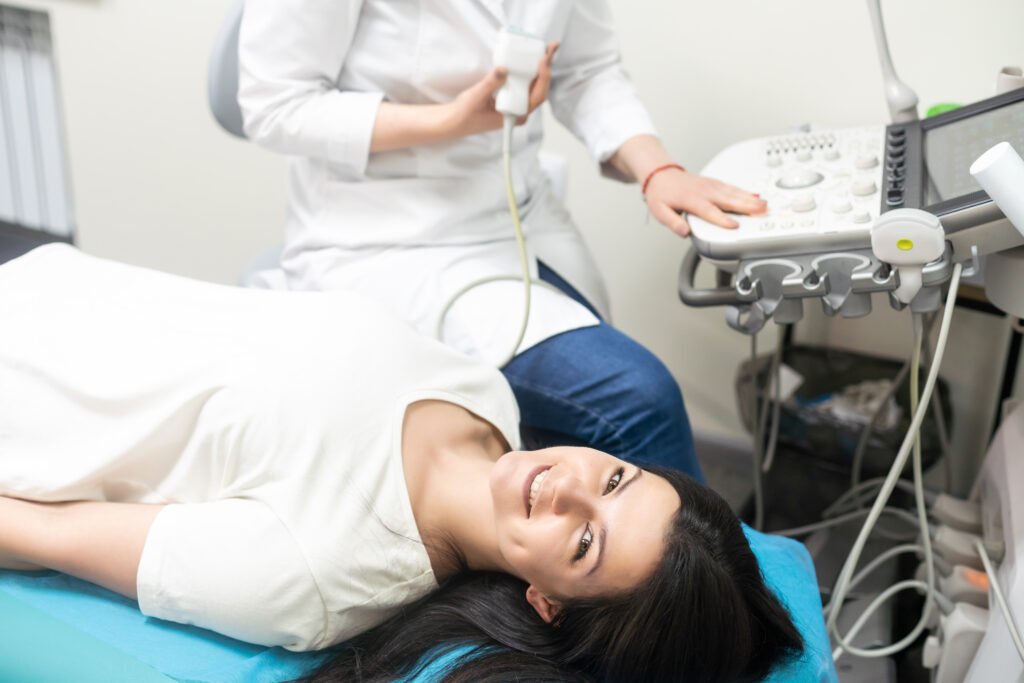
pixel 904 245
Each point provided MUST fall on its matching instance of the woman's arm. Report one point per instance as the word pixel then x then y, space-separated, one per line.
pixel 95 541
pixel 290 54
pixel 592 96
pixel 673 190
pixel 471 112
pixel 229 565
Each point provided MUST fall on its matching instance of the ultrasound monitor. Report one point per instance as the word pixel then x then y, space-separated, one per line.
pixel 927 161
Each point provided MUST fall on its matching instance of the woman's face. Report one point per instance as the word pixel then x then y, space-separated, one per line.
pixel 576 522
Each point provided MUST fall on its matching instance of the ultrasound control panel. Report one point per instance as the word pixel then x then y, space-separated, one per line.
pixel 826 188
pixel 823 189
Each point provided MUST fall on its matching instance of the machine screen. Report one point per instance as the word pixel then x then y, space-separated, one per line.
pixel 950 150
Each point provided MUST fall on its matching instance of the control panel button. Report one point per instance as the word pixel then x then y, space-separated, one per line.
pixel 831 154
pixel 862 187
pixel 803 155
pixel 799 178
pixel 861 216
pixel 865 161
pixel 803 203
pixel 842 206
pixel 774 160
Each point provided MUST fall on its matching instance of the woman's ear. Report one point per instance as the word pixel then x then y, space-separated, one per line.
pixel 547 609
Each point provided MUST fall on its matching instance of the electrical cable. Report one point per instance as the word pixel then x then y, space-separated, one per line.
pixel 876 563
pixel 993 579
pixel 852 499
pixel 874 606
pixel 940 418
pixel 758 439
pixel 910 442
pixel 919 410
pixel 762 462
pixel 865 434
pixel 776 377
pixel 508 125
pixel 842 519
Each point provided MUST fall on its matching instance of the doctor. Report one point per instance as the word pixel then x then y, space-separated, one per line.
pixel 395 185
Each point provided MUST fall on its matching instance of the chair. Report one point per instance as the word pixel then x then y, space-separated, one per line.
pixel 263 271
pixel 222 78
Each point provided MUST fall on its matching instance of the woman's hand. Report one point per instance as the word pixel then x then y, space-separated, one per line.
pixel 472 111
pixel 398 126
pixel 674 191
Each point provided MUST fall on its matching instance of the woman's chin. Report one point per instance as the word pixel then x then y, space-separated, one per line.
pixel 506 482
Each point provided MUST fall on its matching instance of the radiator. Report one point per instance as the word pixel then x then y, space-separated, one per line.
pixel 34 185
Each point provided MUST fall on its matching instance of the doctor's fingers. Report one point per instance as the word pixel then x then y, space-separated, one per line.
pixel 670 218
pixel 485 89
pixel 702 207
pixel 736 200
pixel 541 84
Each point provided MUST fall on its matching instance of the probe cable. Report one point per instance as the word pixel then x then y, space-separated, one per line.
pixel 843 584
pixel 762 462
pixel 897 382
pixel 854 498
pixel 911 441
pixel 899 513
pixel 508 125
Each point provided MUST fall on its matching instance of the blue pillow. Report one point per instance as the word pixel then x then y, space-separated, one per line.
pixel 55 628
pixel 789 571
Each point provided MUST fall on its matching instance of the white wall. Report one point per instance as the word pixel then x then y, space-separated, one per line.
pixel 156 183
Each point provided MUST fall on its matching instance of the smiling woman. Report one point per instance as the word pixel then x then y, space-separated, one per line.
pixel 678 595
pixel 303 470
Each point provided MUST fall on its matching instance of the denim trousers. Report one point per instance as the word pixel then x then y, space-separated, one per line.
pixel 596 387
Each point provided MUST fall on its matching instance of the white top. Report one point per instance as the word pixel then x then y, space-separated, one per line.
pixel 273 420
pixel 410 227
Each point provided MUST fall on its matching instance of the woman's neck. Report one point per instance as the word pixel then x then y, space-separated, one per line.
pixel 448 453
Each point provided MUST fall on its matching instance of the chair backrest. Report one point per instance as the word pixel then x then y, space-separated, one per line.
pixel 222 79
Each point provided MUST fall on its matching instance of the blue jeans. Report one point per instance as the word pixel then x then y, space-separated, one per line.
pixel 597 387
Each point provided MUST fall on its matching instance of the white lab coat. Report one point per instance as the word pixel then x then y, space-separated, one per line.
pixel 410 227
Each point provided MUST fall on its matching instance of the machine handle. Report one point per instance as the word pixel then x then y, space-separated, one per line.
pixel 691 296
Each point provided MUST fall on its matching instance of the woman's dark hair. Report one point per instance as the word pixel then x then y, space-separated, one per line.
pixel 705 615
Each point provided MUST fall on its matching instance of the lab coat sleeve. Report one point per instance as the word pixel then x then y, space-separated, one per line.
pixel 231 566
pixel 290 53
pixel 591 93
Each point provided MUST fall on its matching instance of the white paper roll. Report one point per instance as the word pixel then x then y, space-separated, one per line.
pixel 1000 172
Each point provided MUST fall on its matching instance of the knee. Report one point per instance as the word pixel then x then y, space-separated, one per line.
pixel 654 391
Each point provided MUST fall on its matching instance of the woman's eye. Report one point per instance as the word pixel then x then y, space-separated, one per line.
pixel 614 481
pixel 586 540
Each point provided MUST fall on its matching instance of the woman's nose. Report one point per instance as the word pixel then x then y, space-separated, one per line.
pixel 570 496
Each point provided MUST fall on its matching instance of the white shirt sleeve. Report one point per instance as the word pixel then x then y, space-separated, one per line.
pixel 290 53
pixel 591 94
pixel 231 566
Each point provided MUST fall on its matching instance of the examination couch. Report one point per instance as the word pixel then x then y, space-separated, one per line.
pixel 55 629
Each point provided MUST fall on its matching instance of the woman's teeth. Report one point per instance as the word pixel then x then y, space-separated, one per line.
pixel 535 487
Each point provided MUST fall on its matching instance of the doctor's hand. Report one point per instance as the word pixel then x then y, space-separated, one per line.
pixel 472 111
pixel 673 191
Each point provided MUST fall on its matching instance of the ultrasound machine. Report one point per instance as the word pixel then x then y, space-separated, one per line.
pixel 903 210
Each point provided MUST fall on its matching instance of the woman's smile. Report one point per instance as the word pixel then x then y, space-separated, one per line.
pixel 532 486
